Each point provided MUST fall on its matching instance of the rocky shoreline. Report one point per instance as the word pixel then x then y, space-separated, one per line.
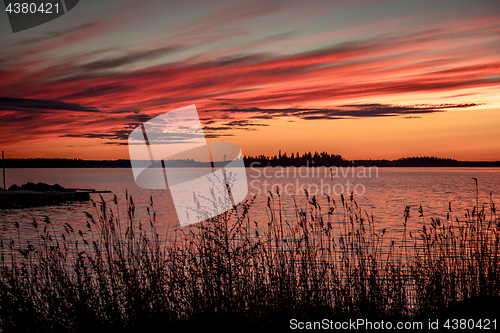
pixel 41 194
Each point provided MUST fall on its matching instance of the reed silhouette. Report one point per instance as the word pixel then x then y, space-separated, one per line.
pixel 328 262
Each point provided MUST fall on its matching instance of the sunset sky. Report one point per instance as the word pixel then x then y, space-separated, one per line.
pixel 363 79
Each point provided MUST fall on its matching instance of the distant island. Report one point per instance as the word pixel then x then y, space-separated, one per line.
pixel 325 159
pixel 306 159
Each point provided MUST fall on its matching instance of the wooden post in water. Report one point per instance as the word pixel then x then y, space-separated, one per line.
pixel 3 162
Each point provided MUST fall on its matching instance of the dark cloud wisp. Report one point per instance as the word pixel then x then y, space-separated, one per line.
pixel 348 111
pixel 40 105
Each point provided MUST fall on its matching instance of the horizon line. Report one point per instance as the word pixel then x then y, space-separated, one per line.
pixel 254 157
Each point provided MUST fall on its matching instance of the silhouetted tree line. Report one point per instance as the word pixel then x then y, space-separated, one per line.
pixel 295 159
pixel 63 163
pixel 425 161
pixel 325 159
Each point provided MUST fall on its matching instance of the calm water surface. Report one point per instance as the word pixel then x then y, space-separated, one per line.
pixel 382 192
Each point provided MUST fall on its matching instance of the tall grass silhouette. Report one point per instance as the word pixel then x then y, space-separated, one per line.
pixel 328 262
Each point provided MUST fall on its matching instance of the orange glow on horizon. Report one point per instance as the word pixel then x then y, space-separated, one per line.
pixel 363 81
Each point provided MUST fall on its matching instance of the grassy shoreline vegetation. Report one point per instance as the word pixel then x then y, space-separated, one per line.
pixel 331 262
